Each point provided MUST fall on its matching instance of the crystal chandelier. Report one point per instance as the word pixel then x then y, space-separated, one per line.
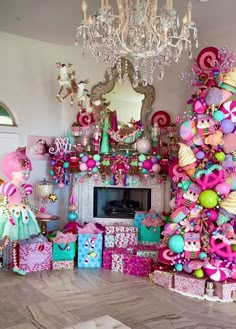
pixel 141 32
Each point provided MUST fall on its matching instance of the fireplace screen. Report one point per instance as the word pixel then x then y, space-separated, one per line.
pixel 120 202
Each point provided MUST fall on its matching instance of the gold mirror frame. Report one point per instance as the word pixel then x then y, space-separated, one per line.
pixel 102 88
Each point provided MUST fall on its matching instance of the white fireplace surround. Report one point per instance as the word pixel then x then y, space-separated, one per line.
pixel 159 199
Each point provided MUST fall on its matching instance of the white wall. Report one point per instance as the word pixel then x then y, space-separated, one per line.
pixel 28 87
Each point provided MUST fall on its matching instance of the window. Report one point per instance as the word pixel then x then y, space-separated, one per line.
pixel 6 117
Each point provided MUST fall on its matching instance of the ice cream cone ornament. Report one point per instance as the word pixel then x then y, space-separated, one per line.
pixel 187 159
pixel 229 81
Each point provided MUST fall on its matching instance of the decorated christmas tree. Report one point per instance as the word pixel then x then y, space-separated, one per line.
pixel 200 236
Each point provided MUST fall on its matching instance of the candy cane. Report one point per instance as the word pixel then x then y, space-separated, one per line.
pixel 92 242
pixel 6 241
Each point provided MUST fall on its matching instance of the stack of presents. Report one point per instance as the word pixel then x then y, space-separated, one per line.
pixel 133 250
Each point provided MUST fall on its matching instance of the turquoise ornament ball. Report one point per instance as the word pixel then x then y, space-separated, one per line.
pixel 66 165
pixel 176 243
pixel 218 116
pixel 72 216
pixel 178 267
pixel 202 255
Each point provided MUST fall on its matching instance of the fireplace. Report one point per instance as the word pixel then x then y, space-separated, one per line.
pixel 121 202
pixel 87 199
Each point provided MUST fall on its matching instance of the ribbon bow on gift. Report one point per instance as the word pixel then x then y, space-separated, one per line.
pixel 152 219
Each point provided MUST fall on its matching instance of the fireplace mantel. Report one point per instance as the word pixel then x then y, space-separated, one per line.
pixel 86 199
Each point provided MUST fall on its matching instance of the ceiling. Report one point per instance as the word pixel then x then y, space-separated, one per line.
pixel 56 21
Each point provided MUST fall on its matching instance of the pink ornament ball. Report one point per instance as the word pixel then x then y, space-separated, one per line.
pixel 91 163
pixel 156 168
pixel 212 214
pixel 188 129
pixel 222 189
pixel 147 164
pixel 83 166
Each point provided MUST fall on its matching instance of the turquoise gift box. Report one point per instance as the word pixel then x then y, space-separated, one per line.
pixel 150 233
pixel 90 250
pixel 138 218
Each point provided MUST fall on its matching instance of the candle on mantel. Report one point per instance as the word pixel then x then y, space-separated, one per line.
pixel 102 4
pixel 189 12
pixel 84 9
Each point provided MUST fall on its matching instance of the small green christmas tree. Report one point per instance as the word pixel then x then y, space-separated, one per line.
pixel 105 146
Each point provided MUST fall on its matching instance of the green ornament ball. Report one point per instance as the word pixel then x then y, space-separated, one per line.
pixel 142 157
pixel 208 199
pixel 199 274
pixel 219 156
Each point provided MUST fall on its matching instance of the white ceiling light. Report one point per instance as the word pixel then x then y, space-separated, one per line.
pixel 142 32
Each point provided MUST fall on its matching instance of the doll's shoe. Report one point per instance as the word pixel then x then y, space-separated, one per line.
pixel 18 271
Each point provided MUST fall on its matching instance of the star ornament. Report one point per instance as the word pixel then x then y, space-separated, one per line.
pixel 53 197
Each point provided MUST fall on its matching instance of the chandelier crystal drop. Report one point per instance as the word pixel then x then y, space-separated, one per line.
pixel 138 31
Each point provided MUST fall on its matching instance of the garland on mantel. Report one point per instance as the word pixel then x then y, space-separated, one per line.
pixel 68 161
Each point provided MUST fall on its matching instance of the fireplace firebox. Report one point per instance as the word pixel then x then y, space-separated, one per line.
pixel 120 202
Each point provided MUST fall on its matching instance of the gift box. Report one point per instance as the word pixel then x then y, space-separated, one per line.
pixel 122 240
pixel 107 256
pixel 62 265
pixel 113 229
pixel 188 284
pixel 90 250
pixel 109 241
pixel 138 218
pixel 164 279
pixel 35 256
pixel 150 234
pixel 225 290
pixel 118 262
pixel 63 251
pixel 148 253
pixel 138 266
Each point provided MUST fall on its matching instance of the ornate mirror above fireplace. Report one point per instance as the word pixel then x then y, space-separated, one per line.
pixel 129 98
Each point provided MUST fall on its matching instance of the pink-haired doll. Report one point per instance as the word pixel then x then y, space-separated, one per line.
pixel 17 218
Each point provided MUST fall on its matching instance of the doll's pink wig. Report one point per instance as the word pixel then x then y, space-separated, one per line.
pixel 15 161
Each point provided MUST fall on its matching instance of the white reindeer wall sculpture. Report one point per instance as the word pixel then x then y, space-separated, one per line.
pixel 83 96
pixel 67 81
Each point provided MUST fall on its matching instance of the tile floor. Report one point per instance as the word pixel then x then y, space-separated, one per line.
pixel 66 299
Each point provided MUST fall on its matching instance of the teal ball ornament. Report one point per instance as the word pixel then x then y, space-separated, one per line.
pixel 202 255
pixel 178 267
pixel 66 165
pixel 218 116
pixel 176 243
pixel 72 216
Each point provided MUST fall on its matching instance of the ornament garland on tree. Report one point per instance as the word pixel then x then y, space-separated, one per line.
pixel 202 231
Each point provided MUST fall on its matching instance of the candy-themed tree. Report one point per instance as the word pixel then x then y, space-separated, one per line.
pixel 200 237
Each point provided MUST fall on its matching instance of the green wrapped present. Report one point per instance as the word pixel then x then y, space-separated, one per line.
pixel 150 233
